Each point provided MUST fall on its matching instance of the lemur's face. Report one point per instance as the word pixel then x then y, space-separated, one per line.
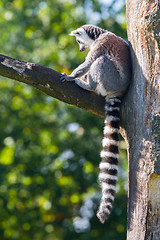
pixel 82 39
pixel 82 45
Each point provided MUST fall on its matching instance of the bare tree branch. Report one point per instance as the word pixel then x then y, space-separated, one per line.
pixel 47 80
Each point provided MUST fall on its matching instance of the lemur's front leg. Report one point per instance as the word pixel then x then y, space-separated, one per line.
pixel 77 73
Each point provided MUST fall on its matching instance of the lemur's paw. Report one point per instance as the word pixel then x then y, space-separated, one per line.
pixel 66 78
pixel 63 77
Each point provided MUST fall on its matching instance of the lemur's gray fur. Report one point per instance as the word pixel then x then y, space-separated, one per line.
pixel 106 71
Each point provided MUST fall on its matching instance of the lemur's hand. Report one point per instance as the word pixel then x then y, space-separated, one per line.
pixel 66 78
pixel 63 77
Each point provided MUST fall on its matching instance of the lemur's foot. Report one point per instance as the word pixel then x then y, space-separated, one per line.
pixel 64 77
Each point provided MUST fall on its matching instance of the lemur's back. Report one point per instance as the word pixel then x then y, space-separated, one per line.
pixel 117 59
pixel 113 47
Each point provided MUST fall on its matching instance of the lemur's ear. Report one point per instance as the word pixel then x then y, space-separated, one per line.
pixel 74 33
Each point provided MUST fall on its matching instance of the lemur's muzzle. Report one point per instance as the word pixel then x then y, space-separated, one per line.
pixel 82 49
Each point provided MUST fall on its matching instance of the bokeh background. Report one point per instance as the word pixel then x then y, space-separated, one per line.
pixel 49 151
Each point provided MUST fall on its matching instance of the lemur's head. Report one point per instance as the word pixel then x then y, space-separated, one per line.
pixel 86 35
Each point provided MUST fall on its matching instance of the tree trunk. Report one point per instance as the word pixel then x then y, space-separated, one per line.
pixel 141 120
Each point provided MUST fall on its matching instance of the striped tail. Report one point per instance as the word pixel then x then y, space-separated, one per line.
pixel 109 154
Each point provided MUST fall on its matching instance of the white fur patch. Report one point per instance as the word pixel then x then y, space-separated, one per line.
pixel 110 130
pixel 112 100
pixel 110 118
pixel 101 90
pixel 106 165
pixel 108 154
pixel 106 186
pixel 107 195
pixel 107 108
pixel 102 176
pixel 107 141
pixel 77 32
pixel 101 210
pixel 81 34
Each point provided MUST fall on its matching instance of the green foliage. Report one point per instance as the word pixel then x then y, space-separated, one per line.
pixel 49 151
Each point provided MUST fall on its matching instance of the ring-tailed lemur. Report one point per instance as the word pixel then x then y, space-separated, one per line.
pixel 106 71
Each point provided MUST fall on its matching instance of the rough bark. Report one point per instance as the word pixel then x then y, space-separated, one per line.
pixel 47 80
pixel 141 120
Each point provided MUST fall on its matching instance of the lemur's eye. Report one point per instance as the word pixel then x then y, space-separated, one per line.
pixel 78 41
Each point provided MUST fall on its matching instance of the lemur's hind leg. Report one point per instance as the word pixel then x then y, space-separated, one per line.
pixel 88 85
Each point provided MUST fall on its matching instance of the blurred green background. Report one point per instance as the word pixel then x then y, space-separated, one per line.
pixel 49 151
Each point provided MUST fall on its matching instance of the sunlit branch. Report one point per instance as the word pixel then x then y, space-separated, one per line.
pixel 47 80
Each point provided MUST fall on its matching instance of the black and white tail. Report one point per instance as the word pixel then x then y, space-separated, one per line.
pixel 109 154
